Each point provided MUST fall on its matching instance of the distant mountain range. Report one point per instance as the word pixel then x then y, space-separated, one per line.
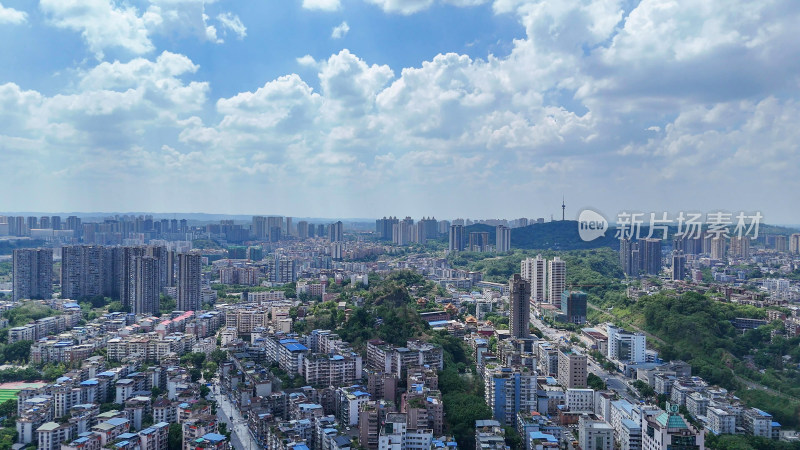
pixel 563 235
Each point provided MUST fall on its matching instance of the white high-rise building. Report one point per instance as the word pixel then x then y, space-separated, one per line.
pixel 556 280
pixel 626 346
pixel 535 271
pixel 502 239
pixel 794 244
pixel 456 238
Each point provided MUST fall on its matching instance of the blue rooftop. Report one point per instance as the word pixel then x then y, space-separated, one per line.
pixel 538 435
pixel 360 393
pixel 214 437
pixel 117 421
pixel 629 424
pixel 295 347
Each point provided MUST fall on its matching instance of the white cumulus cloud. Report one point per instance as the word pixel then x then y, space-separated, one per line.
pixel 340 31
pixel 12 16
pixel 323 5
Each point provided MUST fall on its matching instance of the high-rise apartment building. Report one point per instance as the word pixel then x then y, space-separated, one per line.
pixel 535 271
pixel 478 241
pixel 651 256
pixel 572 369
pixel 283 270
pixel 189 276
pixel 428 229
pixel 502 239
pixel 678 265
pixel 781 243
pixel 259 228
pixel 643 256
pixel 171 268
pixel 740 247
pixel 32 270
pixel 302 229
pixel 556 280
pixel 74 223
pixel 124 268
pixel 82 271
pixel 625 252
pixel 161 256
pixel 384 227
pixel 509 391
pixel 456 238
pixel 520 305
pixel 335 232
pixel 718 247
pixel 145 285
pixel 274 228
pixel 794 244
pixel 402 232
pixel 289 227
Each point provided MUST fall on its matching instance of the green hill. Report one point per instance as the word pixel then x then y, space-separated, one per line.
pixel 477 228
pixel 558 235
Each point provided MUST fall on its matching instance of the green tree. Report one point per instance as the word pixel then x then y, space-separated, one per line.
pixel 19 351
pixel 51 372
pixel 166 304
pixel 175 436
pixel 218 356
pixel 513 439
pixel 8 408
pixel 595 382
pixel 117 306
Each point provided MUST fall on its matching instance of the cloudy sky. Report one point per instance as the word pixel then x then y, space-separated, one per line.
pixel 365 108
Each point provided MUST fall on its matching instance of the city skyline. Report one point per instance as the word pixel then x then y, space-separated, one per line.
pixel 355 108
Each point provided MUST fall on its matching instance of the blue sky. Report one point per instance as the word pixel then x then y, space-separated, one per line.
pixel 364 108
